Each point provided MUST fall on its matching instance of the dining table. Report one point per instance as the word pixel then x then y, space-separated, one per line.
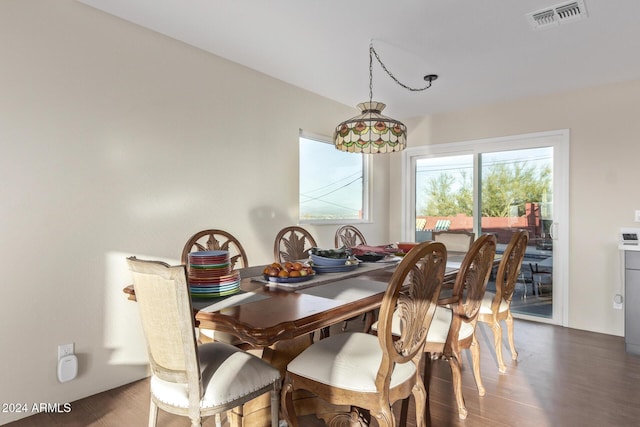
pixel 278 319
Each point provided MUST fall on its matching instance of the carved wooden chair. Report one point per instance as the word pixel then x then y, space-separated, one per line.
pixel 372 372
pixel 453 325
pixel 349 236
pixel 455 240
pixel 186 379
pixel 497 307
pixel 214 240
pixel 292 244
pixel 468 292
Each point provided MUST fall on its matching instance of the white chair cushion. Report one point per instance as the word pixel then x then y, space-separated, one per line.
pixel 228 373
pixel 349 361
pixel 485 308
pixel 466 330
pixel 440 325
pixel 438 330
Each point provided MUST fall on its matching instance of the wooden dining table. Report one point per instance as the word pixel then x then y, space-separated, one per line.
pixel 264 313
pixel 279 319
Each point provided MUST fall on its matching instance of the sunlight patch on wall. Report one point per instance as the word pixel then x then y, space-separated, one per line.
pixel 123 333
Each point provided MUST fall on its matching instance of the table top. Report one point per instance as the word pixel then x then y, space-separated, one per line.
pixel 262 315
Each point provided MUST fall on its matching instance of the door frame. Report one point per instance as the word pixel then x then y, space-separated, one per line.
pixel 560 141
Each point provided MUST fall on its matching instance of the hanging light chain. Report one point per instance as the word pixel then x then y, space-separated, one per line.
pixel 370 73
pixel 372 52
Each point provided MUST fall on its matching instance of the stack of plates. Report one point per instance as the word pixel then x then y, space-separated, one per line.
pixel 210 275
pixel 331 265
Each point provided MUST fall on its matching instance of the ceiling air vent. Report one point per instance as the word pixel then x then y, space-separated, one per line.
pixel 558 14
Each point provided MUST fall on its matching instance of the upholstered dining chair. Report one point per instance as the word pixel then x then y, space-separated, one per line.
pixel 349 236
pixel 496 307
pixel 453 325
pixel 468 292
pixel 190 380
pixel 210 240
pixel 292 244
pixel 455 240
pixel 372 372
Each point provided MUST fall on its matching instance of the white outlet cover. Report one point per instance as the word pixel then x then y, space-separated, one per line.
pixel 637 217
pixel 65 350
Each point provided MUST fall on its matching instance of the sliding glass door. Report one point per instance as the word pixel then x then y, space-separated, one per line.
pixel 499 186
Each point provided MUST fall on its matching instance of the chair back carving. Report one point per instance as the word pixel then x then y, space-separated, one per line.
pixel 509 268
pixel 412 293
pixel 471 282
pixel 214 240
pixel 349 236
pixel 162 294
pixel 292 244
pixel 455 240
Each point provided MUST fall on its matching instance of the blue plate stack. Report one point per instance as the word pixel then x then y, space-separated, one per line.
pixel 331 265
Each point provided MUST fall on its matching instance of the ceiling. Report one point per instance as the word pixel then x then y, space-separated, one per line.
pixel 484 51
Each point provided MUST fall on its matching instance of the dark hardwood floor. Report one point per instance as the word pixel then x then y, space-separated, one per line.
pixel 563 377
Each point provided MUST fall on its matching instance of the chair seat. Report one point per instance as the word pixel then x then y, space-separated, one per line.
pixel 348 361
pixel 228 373
pixel 224 337
pixel 438 330
pixel 485 308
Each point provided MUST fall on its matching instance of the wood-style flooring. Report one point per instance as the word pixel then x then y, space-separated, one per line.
pixel 563 377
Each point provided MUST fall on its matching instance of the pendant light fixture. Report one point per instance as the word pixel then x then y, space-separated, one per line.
pixel 370 132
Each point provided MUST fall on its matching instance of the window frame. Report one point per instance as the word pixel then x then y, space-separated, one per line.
pixel 366 184
pixel 560 141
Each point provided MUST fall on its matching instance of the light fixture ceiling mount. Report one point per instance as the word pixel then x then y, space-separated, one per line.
pixel 370 132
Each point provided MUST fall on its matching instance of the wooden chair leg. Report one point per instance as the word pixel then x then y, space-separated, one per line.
pixel 457 385
pixel 509 322
pixel 497 343
pixel 325 333
pixel 369 319
pixel 475 356
pixel 384 417
pixel 286 404
pixel 426 381
pixel 420 398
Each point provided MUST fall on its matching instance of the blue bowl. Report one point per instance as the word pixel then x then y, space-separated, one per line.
pixel 320 260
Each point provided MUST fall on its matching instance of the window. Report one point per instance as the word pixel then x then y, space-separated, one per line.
pixel 333 184
pixel 499 185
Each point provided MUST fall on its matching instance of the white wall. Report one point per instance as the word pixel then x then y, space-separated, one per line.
pixel 117 141
pixel 604 177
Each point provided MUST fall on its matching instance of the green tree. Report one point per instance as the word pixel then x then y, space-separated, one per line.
pixel 503 186
pixel 441 196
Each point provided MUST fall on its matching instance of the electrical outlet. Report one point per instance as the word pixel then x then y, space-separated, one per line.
pixel 637 217
pixel 618 301
pixel 65 350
